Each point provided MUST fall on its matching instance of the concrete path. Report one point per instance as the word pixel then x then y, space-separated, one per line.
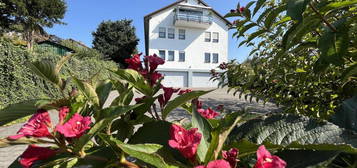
pixel 212 99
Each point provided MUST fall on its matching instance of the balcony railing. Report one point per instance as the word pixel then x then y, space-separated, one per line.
pixel 193 18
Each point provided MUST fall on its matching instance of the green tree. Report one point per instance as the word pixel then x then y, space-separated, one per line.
pixel 30 16
pixel 116 40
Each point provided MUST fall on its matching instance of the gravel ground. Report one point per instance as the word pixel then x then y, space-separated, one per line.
pixel 212 99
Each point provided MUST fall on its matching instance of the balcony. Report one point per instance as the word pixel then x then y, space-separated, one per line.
pixel 192 19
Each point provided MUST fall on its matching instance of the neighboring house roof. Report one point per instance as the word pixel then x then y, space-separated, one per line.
pixel 78 43
pixel 148 17
pixel 55 44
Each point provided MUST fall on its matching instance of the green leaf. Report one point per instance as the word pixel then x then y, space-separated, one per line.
pixel 46 70
pixel 338 5
pixel 135 79
pixel 334 45
pixel 307 158
pixel 295 8
pixel 17 111
pixel 103 90
pixel 346 115
pixel 255 34
pixel 350 72
pixel 180 100
pixel 243 29
pixel 22 141
pixel 272 16
pixel 61 62
pixel 204 128
pixel 258 5
pixel 284 129
pixel 126 94
pixel 88 90
pixel 144 152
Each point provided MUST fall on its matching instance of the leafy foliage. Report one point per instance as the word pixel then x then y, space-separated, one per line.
pixel 116 40
pixel 303 54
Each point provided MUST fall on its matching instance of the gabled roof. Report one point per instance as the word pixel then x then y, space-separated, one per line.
pixel 148 17
pixel 179 1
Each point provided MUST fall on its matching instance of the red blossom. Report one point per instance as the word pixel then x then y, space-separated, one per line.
pixel 223 66
pixel 208 113
pixel 134 62
pixel 36 126
pixel 34 153
pixel 75 127
pixel 63 111
pixel 164 98
pixel 186 141
pixel 153 61
pixel 155 76
pixel 231 156
pixel 216 164
pixel 184 91
pixel 266 160
pixel 241 9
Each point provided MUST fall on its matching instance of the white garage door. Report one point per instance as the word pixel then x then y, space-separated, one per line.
pixel 202 79
pixel 174 79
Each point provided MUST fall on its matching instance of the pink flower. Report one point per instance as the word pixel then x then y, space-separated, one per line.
pixel 34 153
pixel 155 76
pixel 216 164
pixel 75 127
pixel 134 62
pixel 266 160
pixel 153 62
pixel 199 104
pixel 184 91
pixel 186 141
pixel 241 9
pixel 164 98
pixel 36 126
pixel 208 113
pixel 63 111
pixel 231 156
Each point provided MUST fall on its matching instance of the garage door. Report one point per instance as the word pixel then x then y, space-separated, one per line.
pixel 202 79
pixel 174 79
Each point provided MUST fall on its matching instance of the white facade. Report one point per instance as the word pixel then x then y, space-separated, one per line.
pixel 196 20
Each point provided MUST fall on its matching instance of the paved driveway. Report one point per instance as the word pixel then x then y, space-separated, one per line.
pixel 212 99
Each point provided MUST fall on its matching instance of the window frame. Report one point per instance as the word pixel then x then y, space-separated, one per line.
pixel 172 33
pixel 209 58
pixel 162 32
pixel 164 56
pixel 182 36
pixel 168 55
pixel 213 39
pixel 213 58
pixel 184 56
pixel 210 37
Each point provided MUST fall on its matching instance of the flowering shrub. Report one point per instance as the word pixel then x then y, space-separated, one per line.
pixel 133 131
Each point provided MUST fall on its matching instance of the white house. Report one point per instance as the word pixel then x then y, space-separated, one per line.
pixel 191 37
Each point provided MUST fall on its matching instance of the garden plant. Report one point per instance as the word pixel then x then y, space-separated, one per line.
pixel 133 130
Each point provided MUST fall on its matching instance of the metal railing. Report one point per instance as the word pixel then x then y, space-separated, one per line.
pixel 193 18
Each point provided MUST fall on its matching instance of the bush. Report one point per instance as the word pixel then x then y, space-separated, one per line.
pixel 18 83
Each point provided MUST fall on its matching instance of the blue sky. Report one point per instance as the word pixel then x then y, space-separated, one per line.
pixel 83 17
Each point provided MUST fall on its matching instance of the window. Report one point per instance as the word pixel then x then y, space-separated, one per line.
pixel 171 33
pixel 162 32
pixel 182 34
pixel 162 54
pixel 208 37
pixel 214 58
pixel 215 37
pixel 182 56
pixel 207 57
pixel 171 56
